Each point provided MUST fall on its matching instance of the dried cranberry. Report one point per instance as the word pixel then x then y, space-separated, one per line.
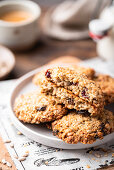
pixel 84 92
pixel 48 74
pixel 55 132
pixel 43 108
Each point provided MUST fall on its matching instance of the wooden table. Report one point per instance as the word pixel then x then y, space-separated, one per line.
pixel 43 52
pixel 49 49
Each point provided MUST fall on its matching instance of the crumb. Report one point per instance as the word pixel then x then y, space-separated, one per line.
pixel 112 154
pixel 87 166
pixel 15 156
pixel 25 155
pixel 21 159
pixel 25 145
pixel 8 164
pixel 93 159
pixel 19 133
pixel 97 160
pixel 106 154
pixel 46 162
pixel 12 145
pixel 90 152
pixel 4 161
pixel 7 141
pixel 97 155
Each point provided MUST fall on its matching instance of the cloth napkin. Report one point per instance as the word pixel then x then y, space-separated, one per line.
pixel 69 20
pixel 47 158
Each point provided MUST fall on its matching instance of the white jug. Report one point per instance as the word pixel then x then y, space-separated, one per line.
pixel 102 30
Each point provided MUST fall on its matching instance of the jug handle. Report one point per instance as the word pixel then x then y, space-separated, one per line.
pixel 99 29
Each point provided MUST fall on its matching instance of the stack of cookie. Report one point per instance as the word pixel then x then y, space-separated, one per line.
pixel 72 100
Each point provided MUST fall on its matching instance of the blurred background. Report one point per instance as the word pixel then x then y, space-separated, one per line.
pixel 48 2
pixel 64 31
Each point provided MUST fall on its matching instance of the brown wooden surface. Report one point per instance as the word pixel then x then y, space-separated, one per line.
pixel 5 155
pixel 45 51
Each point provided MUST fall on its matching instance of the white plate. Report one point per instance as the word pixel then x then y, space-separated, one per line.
pixel 37 132
pixel 7 59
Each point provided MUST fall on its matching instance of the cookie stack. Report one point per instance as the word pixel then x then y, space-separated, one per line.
pixel 72 100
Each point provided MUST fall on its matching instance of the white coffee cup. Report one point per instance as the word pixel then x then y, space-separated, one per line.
pixel 20 35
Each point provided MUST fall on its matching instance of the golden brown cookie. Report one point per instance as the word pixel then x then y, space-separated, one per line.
pixel 35 107
pixel 107 85
pixel 71 101
pixel 89 72
pixel 74 90
pixel 74 128
pixel 77 83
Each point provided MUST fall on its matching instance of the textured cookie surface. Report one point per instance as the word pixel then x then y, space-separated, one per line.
pixel 89 72
pixel 107 85
pixel 77 83
pixel 71 101
pixel 83 95
pixel 74 128
pixel 35 107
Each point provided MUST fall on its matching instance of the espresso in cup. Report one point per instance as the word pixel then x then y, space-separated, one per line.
pixel 19 24
pixel 16 16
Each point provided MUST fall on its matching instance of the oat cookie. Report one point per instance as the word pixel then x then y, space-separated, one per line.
pixel 74 128
pixel 71 101
pixel 75 82
pixel 89 72
pixel 81 95
pixel 107 85
pixel 35 107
